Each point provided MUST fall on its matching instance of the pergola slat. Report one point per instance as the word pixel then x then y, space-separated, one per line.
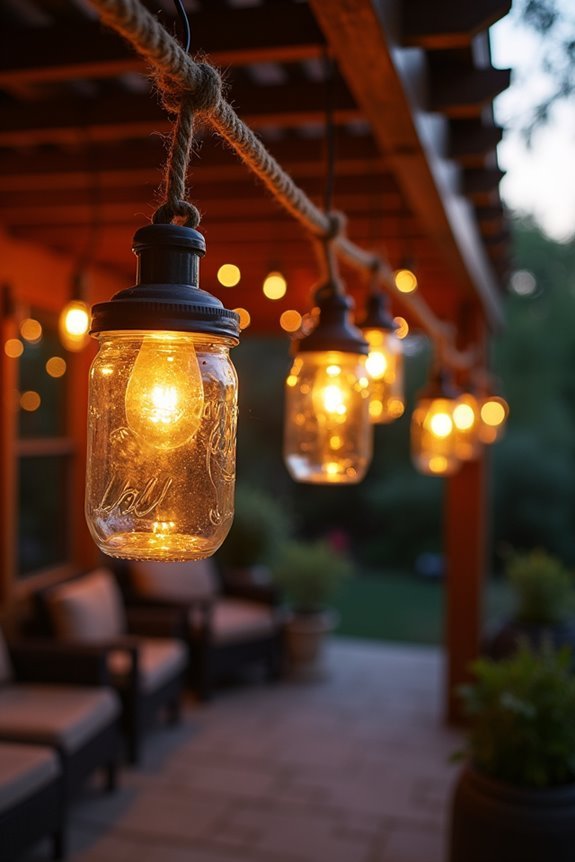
pixel 449 24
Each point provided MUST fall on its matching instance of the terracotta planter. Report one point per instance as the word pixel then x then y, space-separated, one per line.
pixel 497 822
pixel 305 638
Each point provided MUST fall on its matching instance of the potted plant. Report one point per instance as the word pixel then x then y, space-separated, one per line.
pixel 259 527
pixel 515 800
pixel 545 604
pixel 308 575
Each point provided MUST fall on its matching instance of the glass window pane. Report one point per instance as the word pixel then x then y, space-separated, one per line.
pixel 42 382
pixel 42 528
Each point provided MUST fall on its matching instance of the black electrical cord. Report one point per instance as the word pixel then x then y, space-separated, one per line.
pixel 184 20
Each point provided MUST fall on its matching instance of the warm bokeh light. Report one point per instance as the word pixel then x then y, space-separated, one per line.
pixel 73 325
pixel 56 366
pixel 464 417
pixel 290 320
pixel 274 286
pixel 440 424
pixel 229 275
pixel 30 401
pixel 466 420
pixel 13 348
pixel 402 327
pixel 493 418
pixel 245 317
pixel 385 368
pixel 493 413
pixel 405 281
pixel 31 330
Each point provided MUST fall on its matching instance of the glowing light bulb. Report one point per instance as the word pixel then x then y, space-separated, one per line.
pixel 464 417
pixel 165 396
pixel 274 286
pixel 376 364
pixel 385 368
pixel 440 424
pixel 466 421
pixel 492 419
pixel 73 325
pixel 405 281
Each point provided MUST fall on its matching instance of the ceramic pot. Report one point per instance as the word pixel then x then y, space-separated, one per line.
pixel 305 638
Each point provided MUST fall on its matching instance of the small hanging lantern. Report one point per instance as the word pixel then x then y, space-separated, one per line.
pixel 466 421
pixel 74 320
pixel 433 430
pixel 384 361
pixel 162 408
pixel 328 437
pixel 493 414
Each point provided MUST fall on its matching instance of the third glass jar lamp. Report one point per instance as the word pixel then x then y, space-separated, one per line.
pixel 328 437
pixel 433 431
pixel 384 361
pixel 162 408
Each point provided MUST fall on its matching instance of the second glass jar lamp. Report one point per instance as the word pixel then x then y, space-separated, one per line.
pixel 328 438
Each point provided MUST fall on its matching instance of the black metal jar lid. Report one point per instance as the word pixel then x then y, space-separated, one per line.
pixel 377 314
pixel 166 295
pixel 334 330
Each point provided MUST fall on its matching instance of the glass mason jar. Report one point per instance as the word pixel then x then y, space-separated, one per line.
pixel 328 438
pixel 161 444
pixel 433 439
pixel 385 367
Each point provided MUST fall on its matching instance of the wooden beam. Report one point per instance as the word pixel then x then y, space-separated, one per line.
pixel 471 142
pixel 387 90
pixel 280 33
pixel 449 24
pixel 458 91
pixel 118 117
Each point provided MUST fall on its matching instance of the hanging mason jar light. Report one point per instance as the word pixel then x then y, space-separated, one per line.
pixel 433 430
pixel 74 319
pixel 327 434
pixel 162 408
pixel 466 421
pixel 493 414
pixel 384 361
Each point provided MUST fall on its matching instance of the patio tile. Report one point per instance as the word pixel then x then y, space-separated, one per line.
pixel 351 769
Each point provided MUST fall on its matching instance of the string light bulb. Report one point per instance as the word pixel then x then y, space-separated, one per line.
pixel 162 408
pixel 74 324
pixel 384 361
pixel 433 428
pixel 328 436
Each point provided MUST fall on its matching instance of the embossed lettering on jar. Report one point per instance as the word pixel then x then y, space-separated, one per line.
pixel 161 445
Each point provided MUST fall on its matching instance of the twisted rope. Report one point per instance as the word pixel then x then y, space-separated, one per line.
pixel 195 88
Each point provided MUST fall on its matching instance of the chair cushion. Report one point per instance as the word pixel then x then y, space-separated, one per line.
pixel 183 582
pixel 159 661
pixel 62 716
pixel 89 608
pixel 240 620
pixel 6 672
pixel 24 769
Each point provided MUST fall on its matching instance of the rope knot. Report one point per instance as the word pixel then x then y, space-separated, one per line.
pixel 202 96
pixel 336 225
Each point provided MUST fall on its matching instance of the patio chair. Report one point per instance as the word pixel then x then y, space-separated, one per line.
pixel 41 703
pixel 145 662
pixel 32 802
pixel 228 626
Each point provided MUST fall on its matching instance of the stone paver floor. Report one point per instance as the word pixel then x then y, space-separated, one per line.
pixel 351 768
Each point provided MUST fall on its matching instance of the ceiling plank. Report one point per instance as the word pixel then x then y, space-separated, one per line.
pixel 118 117
pixel 449 24
pixel 281 33
pixel 359 40
pixel 458 91
pixel 471 142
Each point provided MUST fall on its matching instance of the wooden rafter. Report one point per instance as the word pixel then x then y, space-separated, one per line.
pixel 359 40
pixel 449 24
pixel 285 33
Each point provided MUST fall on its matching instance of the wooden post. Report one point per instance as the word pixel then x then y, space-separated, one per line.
pixel 466 538
pixel 8 385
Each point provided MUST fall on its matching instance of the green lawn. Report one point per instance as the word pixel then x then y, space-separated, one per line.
pixel 401 607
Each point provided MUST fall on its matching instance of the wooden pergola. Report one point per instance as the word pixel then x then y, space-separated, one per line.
pixel 416 174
